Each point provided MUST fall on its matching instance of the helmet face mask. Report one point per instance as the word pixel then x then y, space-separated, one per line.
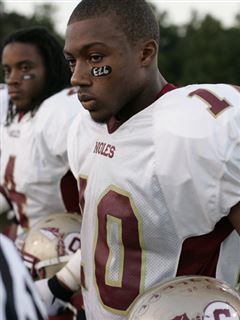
pixel 188 298
pixel 49 244
pixel 30 262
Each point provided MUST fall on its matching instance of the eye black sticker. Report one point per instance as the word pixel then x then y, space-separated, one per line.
pixel 101 71
pixel 28 76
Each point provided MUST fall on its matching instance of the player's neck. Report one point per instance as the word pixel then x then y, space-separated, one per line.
pixel 145 98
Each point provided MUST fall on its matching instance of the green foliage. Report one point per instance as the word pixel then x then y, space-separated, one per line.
pixel 11 21
pixel 203 50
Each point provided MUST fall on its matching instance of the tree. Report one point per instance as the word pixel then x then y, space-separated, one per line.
pixel 203 50
pixel 169 59
pixel 12 21
pixel 210 52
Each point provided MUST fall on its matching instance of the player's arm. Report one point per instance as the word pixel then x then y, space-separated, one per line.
pixel 5 203
pixel 234 217
pixel 57 291
pixel 8 220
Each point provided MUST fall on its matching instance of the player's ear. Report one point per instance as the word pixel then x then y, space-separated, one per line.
pixel 149 51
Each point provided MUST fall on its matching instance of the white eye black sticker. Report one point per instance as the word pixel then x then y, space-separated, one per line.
pixel 101 71
pixel 28 76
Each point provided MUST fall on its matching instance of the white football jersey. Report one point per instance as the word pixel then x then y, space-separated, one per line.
pixel 3 103
pixel 18 297
pixel 153 192
pixel 34 162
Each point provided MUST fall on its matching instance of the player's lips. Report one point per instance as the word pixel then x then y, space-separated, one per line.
pixel 14 93
pixel 88 102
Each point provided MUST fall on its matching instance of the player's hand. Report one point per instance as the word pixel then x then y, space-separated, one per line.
pixel 53 305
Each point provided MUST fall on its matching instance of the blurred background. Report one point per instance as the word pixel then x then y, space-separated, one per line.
pixel 200 40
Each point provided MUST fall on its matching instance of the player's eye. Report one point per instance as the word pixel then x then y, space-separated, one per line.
pixel 6 72
pixel 95 58
pixel 25 67
pixel 71 63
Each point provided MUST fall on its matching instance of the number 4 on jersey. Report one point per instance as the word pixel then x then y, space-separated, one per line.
pixel 17 198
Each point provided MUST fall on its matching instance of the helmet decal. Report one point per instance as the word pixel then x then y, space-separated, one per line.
pixel 51 234
pixel 219 310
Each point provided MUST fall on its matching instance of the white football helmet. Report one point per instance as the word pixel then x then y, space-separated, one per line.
pixel 188 298
pixel 50 242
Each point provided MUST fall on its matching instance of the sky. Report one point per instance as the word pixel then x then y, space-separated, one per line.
pixel 179 11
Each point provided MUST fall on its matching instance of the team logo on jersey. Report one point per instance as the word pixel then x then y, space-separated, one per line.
pixel 104 149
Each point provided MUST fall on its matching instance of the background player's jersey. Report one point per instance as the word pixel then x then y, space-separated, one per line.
pixel 18 297
pixel 153 190
pixel 3 103
pixel 34 164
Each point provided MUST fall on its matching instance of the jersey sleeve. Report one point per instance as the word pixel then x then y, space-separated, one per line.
pixel 198 157
pixel 230 180
pixel 74 135
pixel 55 117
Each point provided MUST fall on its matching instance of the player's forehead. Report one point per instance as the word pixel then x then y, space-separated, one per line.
pixel 18 52
pixel 103 31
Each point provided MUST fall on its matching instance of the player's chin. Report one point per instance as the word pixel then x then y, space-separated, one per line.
pixel 99 117
pixel 21 104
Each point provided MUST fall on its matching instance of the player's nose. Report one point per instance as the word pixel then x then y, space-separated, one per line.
pixel 81 75
pixel 13 77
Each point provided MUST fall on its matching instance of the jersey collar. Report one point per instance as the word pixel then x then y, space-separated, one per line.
pixel 113 124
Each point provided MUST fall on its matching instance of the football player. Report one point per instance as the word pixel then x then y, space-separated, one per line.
pixel 35 178
pixel 158 169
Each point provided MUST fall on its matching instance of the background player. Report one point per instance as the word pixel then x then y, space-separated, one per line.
pixel 158 170
pixel 35 177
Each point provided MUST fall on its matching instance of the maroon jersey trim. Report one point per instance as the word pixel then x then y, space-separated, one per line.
pixel 200 254
pixel 113 124
pixel 69 192
pixel 4 193
pixel 168 87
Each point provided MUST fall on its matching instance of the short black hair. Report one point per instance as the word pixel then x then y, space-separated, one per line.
pixel 135 17
pixel 58 74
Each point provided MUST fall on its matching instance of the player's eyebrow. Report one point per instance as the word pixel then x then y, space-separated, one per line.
pixel 86 47
pixel 20 63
